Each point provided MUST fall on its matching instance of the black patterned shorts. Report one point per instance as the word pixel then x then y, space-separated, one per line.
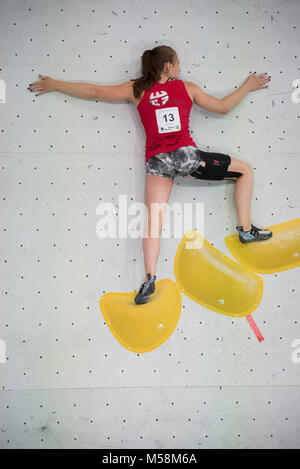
pixel 186 161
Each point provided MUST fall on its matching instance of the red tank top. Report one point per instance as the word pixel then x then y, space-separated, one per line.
pixel 164 112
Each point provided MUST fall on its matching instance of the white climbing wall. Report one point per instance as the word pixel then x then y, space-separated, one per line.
pixel 65 381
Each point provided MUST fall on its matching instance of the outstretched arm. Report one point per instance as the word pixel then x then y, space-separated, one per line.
pixel 83 90
pixel 80 90
pixel 252 83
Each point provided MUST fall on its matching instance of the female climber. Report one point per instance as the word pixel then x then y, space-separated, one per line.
pixel 164 103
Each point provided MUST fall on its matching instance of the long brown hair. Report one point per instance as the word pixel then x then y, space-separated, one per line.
pixel 153 62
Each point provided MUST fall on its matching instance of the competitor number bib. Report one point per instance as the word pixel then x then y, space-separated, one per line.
pixel 168 120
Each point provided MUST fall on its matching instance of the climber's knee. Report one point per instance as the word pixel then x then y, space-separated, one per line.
pixel 237 168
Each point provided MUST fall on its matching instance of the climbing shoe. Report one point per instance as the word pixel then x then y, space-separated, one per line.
pixel 146 289
pixel 255 234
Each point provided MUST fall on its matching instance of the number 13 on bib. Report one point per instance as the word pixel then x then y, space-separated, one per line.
pixel 168 120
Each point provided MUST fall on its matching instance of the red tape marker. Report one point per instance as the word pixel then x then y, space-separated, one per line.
pixel 255 328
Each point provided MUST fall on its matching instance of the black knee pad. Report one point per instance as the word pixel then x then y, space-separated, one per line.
pixel 233 174
pixel 215 168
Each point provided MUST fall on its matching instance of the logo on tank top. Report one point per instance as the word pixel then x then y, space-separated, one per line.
pixel 159 98
pixel 167 118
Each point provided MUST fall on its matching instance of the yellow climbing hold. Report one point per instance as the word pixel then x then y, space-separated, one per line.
pixel 141 328
pixel 214 280
pixel 278 253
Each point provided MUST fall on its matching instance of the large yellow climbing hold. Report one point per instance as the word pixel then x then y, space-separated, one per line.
pixel 214 280
pixel 144 327
pixel 278 253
